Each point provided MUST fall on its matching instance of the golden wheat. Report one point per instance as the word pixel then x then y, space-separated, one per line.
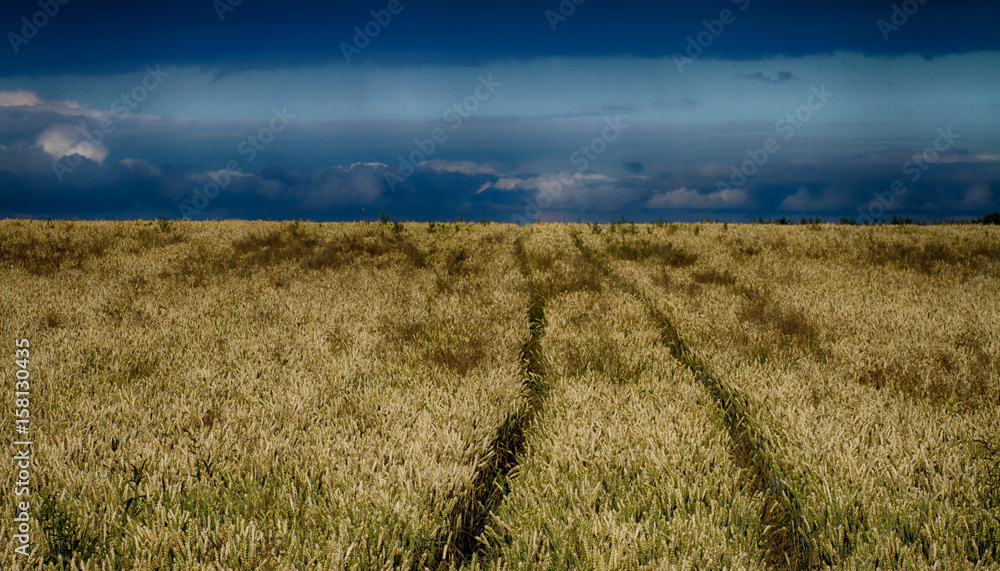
pixel 296 395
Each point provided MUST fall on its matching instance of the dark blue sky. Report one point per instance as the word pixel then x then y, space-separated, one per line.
pixel 515 111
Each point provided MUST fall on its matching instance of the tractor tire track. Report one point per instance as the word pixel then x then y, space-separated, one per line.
pixel 459 541
pixel 787 537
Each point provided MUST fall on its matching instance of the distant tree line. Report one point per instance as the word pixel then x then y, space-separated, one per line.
pixel 990 218
pixel 894 220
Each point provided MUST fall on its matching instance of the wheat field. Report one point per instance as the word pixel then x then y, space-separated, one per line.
pixel 296 395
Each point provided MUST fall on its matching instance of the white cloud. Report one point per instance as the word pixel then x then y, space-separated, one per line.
pixel 901 156
pixel 223 174
pixel 798 201
pixel 970 158
pixel 977 197
pixel 236 182
pixel 465 167
pixel 359 165
pixel 599 196
pixel 584 192
pixel 505 183
pixel 686 198
pixel 141 166
pixel 803 201
pixel 360 184
pixel 61 138
pixel 548 181
pixel 21 98
pixel 35 104
pixel 64 139
pixel 715 170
